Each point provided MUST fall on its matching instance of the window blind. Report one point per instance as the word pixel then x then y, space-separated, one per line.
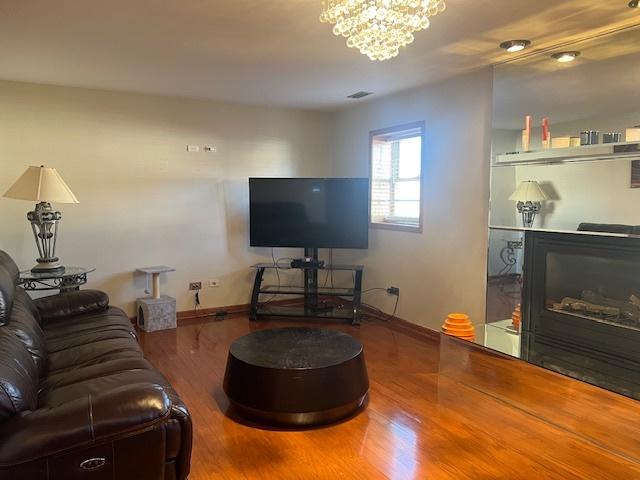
pixel 396 161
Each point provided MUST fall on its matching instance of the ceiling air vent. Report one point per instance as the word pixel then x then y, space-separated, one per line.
pixel 359 95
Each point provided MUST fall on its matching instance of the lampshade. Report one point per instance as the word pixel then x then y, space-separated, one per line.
pixel 41 184
pixel 528 191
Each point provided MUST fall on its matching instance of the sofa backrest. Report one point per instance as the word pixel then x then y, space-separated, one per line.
pixel 18 377
pixel 24 323
pixel 19 314
pixel 609 228
pixel 8 280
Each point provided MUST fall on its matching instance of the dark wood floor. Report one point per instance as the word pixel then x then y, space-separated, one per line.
pixel 466 418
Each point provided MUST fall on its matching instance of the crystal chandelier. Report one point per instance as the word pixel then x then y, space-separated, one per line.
pixel 378 28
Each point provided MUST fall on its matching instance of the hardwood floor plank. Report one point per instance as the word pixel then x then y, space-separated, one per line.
pixel 606 418
pixel 421 421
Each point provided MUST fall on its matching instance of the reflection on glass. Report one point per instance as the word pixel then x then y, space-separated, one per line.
pixel 504 292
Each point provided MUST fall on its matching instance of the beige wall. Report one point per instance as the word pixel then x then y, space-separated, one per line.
pixel 442 269
pixel 143 199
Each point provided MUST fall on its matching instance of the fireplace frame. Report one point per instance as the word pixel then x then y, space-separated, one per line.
pixel 604 354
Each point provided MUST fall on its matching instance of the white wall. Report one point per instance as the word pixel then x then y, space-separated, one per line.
pixel 442 269
pixel 143 199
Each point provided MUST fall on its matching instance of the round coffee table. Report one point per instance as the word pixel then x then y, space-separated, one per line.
pixel 296 376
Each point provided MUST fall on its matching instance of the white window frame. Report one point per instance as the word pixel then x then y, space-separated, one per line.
pixel 392 133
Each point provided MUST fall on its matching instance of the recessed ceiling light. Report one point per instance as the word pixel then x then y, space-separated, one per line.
pixel 359 95
pixel 515 45
pixel 564 57
pixel 634 4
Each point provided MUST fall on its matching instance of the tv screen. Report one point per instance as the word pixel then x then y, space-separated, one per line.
pixel 309 212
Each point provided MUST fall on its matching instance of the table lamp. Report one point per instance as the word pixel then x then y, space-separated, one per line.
pixel 43 185
pixel 529 196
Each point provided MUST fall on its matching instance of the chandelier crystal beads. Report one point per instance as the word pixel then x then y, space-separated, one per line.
pixel 379 28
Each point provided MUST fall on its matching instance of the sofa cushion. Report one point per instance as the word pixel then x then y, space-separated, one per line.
pixel 64 305
pixel 81 373
pixel 23 322
pixel 93 353
pixel 94 386
pixel 18 376
pixel 609 228
pixel 60 343
pixel 76 430
pixel 111 319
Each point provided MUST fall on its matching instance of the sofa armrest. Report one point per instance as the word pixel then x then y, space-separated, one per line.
pixel 180 413
pixel 82 422
pixel 55 307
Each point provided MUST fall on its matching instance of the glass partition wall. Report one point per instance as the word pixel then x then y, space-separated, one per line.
pixel 566 162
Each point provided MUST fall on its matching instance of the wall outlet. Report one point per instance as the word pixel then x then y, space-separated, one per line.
pixel 193 148
pixel 209 149
pixel 393 291
pixel 213 283
pixel 195 285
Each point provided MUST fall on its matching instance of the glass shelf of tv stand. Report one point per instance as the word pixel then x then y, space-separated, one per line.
pixel 298 290
pixel 311 293
pixel 299 311
pixel 335 267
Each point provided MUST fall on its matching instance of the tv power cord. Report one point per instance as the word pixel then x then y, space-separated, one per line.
pixel 390 291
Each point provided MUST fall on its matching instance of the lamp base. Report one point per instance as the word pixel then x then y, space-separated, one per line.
pixel 528 211
pixel 49 267
pixel 44 224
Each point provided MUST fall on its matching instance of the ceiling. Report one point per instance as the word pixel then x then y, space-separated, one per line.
pixel 265 52
pixel 603 80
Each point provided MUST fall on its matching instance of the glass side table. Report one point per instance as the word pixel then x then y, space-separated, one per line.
pixel 66 280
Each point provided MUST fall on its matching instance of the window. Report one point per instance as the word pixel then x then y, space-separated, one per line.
pixel 396 177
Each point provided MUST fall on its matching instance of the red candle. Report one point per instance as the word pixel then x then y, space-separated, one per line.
pixel 545 129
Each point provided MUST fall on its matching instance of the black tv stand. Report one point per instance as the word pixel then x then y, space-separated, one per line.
pixel 311 293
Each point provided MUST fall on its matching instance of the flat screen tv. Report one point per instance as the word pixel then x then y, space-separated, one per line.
pixel 309 212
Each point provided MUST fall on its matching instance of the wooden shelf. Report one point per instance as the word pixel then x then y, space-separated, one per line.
pixel 606 151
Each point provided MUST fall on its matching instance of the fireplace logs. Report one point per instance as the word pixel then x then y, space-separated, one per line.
pixel 628 309
pixel 580 306
pixel 596 305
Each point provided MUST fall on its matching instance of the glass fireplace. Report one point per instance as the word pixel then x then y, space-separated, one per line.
pixel 594 287
pixel 581 307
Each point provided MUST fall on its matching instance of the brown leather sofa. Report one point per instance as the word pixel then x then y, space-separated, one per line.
pixel 77 398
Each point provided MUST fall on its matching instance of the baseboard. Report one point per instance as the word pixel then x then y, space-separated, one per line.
pixel 403 326
pixel 397 324
pixel 230 310
pixel 413 329
pixel 212 311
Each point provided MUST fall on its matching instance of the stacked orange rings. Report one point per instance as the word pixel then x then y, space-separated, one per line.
pixel 516 317
pixel 459 325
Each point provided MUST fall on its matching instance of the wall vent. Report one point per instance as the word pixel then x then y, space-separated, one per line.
pixel 359 95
